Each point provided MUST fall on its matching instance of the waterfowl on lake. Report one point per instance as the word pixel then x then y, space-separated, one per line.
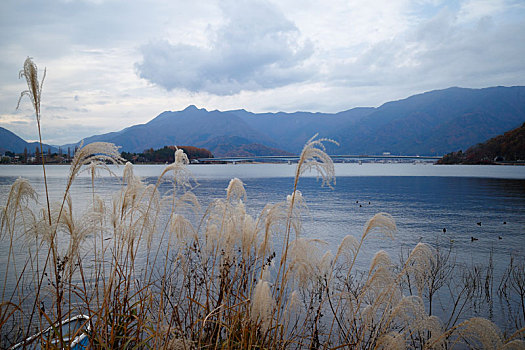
pixel 444 230
pixel 472 239
pixel 479 223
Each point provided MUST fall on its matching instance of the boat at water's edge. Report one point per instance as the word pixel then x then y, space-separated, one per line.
pixel 75 332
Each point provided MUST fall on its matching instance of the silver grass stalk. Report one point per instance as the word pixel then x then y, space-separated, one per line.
pixel 34 92
pixel 181 157
pixel 272 218
pixel 314 157
pixel 419 264
pixel 410 311
pixel 435 327
pixel 296 208
pixel 232 228
pixel 181 176
pixel 348 249
pixel 20 195
pixel 235 190
pixel 188 200
pixel 368 315
pixel 212 237
pixel 382 222
pixel 293 304
pixel 351 304
pixel 77 229
pixel 96 155
pixel 381 259
pixel 215 225
pixel 380 285
pixel 248 235
pixel 99 206
pixel 41 229
pixel 240 231
pixel 135 209
pixel 481 330
pixel 326 265
pixel 181 229
pixel 392 341
pixel 228 226
pixel 263 302
pixel 306 260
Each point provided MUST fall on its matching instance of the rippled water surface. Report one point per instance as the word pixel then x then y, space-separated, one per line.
pixel 424 199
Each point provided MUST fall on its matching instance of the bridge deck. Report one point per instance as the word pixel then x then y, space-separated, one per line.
pixel 295 158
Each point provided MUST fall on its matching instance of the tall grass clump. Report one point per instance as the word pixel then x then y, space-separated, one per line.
pixel 150 269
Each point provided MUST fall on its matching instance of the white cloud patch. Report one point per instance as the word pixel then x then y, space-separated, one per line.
pixel 256 48
pixel 442 51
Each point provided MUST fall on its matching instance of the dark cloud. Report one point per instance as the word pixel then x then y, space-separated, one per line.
pixel 257 48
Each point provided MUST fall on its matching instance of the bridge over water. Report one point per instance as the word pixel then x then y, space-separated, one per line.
pixel 336 157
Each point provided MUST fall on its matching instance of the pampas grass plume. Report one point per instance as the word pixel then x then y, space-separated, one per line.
pixel 482 330
pixel 263 302
pixel 382 222
pixel 348 249
pixel 392 341
pixel 235 190
pixel 20 195
pixel 314 157
pixel 34 88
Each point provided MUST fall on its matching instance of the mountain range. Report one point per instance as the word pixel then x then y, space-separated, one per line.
pixel 431 123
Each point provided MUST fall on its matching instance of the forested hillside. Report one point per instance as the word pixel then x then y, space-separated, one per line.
pixel 508 148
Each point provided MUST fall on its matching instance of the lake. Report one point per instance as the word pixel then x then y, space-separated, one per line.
pixel 423 199
pixel 486 203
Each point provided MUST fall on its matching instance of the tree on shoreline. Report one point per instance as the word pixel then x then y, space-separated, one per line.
pixel 166 154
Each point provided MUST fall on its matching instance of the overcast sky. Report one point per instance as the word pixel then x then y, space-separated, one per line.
pixel 114 63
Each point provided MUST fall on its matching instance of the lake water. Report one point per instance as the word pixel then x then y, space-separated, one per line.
pixel 423 199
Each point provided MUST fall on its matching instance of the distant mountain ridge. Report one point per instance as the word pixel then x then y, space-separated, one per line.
pixel 431 123
pixel 191 126
pixel 9 141
pixel 437 122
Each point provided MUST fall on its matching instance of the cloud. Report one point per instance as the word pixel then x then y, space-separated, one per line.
pixel 445 50
pixel 477 9
pixel 256 48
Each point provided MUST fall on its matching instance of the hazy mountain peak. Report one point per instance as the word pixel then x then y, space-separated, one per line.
pixel 193 108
